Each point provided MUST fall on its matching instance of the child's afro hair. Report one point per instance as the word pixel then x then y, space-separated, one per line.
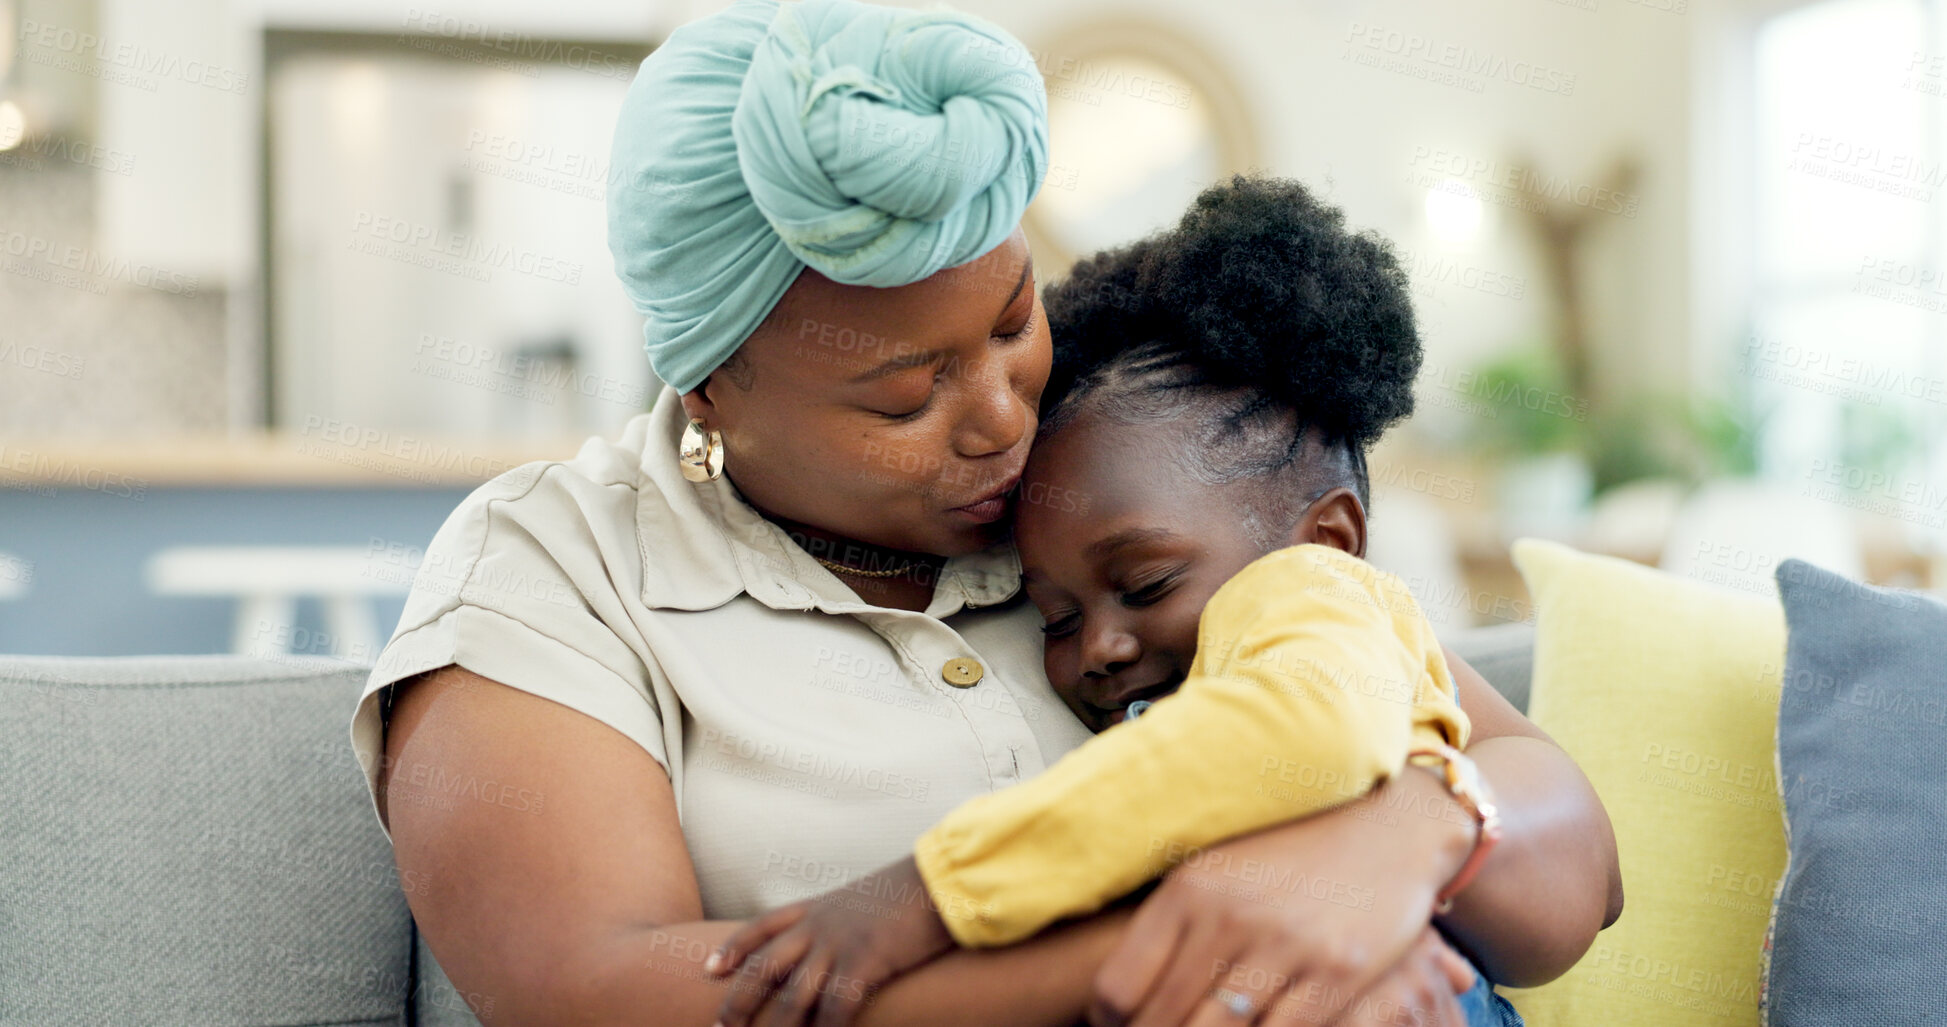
pixel 1259 287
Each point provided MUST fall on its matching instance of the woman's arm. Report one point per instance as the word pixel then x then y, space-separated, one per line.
pixel 1319 907
pixel 574 900
pixel 1556 841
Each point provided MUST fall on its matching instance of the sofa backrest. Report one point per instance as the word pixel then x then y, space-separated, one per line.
pixel 187 840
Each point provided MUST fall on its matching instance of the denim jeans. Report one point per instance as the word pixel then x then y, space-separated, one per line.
pixel 1486 1009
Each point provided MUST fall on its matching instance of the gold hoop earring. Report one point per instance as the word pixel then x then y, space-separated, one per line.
pixel 701 455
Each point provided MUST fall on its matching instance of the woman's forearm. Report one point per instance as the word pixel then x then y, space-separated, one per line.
pixel 656 978
pixel 1556 843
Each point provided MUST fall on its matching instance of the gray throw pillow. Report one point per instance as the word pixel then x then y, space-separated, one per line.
pixel 1856 928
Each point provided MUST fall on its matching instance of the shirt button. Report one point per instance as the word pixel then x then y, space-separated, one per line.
pixel 962 672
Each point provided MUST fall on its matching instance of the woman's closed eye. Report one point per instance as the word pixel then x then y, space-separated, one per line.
pixel 912 414
pixel 1034 318
pixel 905 408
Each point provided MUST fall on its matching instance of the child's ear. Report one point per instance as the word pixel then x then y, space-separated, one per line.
pixel 1335 519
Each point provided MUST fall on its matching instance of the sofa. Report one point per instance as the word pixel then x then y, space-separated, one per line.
pixel 187 840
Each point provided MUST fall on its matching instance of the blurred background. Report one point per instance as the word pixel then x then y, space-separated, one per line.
pixel 282 280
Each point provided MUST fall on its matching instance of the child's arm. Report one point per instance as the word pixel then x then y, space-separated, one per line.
pixel 1315 675
pixel 825 957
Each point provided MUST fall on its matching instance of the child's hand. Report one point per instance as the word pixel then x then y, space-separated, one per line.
pixel 819 961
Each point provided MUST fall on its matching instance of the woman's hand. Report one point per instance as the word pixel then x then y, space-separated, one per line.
pixel 819 961
pixel 1422 989
pixel 1317 910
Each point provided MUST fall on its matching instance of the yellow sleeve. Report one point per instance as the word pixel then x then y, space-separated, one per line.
pixel 1315 675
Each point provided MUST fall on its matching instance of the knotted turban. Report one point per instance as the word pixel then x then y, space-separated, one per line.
pixel 873 144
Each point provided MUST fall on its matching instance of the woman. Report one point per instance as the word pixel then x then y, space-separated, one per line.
pixel 641 696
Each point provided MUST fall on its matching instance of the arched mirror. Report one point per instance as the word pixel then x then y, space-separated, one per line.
pixel 1141 120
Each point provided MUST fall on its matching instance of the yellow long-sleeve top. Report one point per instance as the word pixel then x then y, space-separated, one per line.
pixel 1315 675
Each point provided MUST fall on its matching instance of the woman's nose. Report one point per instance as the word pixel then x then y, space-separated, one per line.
pixel 997 417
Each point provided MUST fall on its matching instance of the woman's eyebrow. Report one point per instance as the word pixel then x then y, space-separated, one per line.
pixel 907 360
pixel 900 363
pixel 1027 268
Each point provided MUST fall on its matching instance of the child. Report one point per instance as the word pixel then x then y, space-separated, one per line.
pixel 1218 436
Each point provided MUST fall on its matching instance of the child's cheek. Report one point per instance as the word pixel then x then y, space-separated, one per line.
pixel 1177 628
pixel 1061 674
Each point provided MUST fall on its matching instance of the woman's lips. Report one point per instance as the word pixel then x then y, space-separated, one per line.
pixel 993 506
pixel 986 511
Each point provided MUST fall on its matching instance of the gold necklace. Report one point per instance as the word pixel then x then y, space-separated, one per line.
pixel 839 568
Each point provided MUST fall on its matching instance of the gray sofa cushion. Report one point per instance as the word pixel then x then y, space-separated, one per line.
pixel 187 840
pixel 1503 653
pixel 1856 928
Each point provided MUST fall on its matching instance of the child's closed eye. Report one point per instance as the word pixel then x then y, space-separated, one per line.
pixel 1150 593
pixel 1061 626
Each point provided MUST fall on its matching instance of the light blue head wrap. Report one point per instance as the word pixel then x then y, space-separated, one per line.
pixel 874 144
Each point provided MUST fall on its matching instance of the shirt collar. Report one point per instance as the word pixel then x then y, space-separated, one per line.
pixel 702 545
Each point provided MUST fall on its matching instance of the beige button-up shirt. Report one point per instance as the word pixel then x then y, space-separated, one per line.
pixel 809 737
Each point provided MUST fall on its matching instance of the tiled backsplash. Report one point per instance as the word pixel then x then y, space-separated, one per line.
pixel 92 345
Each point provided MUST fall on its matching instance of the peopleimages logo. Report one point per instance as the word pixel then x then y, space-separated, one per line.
pixel 72 49
pixel 519 45
pixel 1505 393
pixel 49 472
pixel 457 253
pixel 1427 270
pixel 1877 491
pixel 40 358
pixel 1472 67
pixel 1433 166
pixel 1867 165
pixel 513 372
pixel 60 149
pixel 347 443
pixel 1083 80
pixel 1835 372
pixel 39 251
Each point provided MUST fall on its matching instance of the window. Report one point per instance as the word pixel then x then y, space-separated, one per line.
pixel 1847 354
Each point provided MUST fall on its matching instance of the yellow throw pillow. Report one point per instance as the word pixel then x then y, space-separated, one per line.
pixel 1666 692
